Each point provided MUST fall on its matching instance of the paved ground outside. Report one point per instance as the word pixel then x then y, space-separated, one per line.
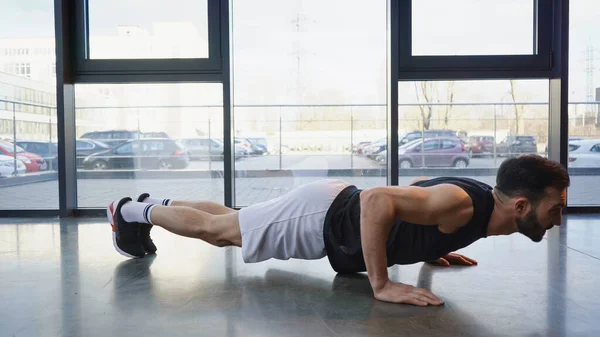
pixel 93 193
pixel 318 160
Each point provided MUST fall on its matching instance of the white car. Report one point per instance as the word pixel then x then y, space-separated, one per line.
pixel 373 149
pixel 584 153
pixel 7 166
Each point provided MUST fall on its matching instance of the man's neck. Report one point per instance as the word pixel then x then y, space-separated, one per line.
pixel 501 221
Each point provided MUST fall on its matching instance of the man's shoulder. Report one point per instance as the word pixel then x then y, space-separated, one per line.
pixel 470 191
pixel 477 200
pixel 464 182
pixel 442 179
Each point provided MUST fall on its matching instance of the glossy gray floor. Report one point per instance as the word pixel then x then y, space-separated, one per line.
pixel 63 278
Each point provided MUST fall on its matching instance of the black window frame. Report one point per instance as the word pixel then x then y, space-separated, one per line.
pixel 441 67
pixel 88 70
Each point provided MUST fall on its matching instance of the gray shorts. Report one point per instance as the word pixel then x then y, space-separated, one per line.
pixel 290 226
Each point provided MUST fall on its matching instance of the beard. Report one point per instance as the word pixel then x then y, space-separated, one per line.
pixel 531 227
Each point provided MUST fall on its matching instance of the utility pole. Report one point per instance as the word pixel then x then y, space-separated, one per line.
pixel 589 74
pixel 298 23
pixel 591 94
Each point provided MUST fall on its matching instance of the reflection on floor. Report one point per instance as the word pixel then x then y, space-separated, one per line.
pixel 63 278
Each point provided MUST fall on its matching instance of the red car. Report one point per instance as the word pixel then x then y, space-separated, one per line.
pixel 481 145
pixel 33 162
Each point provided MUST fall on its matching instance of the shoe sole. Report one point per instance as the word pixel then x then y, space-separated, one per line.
pixel 110 213
pixel 141 198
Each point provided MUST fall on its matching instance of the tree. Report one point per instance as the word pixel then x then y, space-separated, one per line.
pixel 427 89
pixel 519 109
pixel 429 92
pixel 449 100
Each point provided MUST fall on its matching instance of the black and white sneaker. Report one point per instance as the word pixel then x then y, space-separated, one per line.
pixel 125 234
pixel 147 242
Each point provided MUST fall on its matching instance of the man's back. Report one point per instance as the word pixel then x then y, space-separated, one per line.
pixel 407 243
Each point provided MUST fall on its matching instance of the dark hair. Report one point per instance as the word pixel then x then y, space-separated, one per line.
pixel 529 175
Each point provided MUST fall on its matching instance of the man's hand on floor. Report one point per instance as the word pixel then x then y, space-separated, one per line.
pixel 404 293
pixel 453 259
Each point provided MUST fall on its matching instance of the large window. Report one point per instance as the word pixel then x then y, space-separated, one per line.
pixel 148 41
pixel 28 132
pixel 473 27
pixel 136 138
pixel 468 128
pixel 142 29
pixel 584 101
pixel 473 39
pixel 309 94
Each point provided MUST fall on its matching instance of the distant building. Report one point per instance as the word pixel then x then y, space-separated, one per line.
pixel 28 75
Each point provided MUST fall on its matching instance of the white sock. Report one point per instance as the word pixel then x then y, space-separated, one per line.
pixel 136 212
pixel 153 201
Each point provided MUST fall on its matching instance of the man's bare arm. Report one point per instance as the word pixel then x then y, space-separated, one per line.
pixel 441 204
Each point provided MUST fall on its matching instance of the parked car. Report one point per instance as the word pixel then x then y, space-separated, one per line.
pixel 84 148
pixel 205 148
pixel 112 137
pixel 32 161
pixel 433 152
pixel 515 145
pixel 584 153
pixel 140 154
pixel 375 148
pixel 413 135
pixel 480 145
pixel 49 151
pixel 244 145
pixel 44 149
pixel 358 148
pixel 250 147
pixel 157 134
pixel 7 166
pixel 570 139
pixel 260 143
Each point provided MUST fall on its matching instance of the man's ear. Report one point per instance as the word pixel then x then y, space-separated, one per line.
pixel 522 206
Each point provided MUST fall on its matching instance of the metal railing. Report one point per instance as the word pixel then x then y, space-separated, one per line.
pixel 354 117
pixel 29 161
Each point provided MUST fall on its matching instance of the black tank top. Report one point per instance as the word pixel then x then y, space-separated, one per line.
pixel 407 242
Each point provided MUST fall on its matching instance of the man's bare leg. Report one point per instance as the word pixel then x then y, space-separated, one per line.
pixel 218 230
pixel 205 206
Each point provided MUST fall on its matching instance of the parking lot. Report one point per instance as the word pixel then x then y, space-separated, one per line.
pixel 98 192
pixel 316 161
